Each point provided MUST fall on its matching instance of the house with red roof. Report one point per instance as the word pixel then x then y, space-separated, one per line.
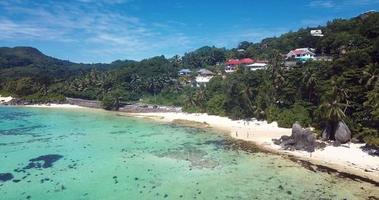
pixel 233 64
pixel 247 61
pixel 302 54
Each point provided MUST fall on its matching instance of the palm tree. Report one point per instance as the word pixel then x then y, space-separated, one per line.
pixel 370 75
pixel 246 94
pixel 200 98
pixel 190 101
pixel 332 113
pixel 373 101
pixel 275 70
pixel 311 86
pixel 310 80
pixel 341 95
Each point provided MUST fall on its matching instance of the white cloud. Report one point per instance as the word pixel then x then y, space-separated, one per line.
pixel 322 4
pixel 338 4
pixel 105 1
pixel 90 24
pixel 10 30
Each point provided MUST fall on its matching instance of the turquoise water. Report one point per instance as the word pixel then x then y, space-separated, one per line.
pixel 103 155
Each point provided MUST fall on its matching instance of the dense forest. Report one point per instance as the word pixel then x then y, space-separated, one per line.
pixel 314 93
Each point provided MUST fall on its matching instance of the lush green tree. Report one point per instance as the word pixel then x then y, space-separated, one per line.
pixel 216 105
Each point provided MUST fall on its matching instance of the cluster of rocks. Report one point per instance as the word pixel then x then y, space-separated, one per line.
pixel 84 102
pixel 145 108
pixel 305 140
pixel 23 102
pixel 371 149
pixel 17 101
pixel 340 133
pixel 300 139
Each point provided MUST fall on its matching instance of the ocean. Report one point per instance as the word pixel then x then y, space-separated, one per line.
pixel 62 154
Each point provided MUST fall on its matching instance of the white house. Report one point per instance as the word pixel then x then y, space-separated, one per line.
pixel 317 33
pixel 257 66
pixel 302 54
pixel 184 72
pixel 203 77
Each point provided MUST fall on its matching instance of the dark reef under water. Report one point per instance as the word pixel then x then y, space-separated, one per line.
pixel 6 177
pixel 44 161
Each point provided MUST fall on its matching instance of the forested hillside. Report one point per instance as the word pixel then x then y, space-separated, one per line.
pixel 314 93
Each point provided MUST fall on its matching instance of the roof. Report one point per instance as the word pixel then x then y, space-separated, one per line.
pixel 247 61
pixel 233 62
pixel 185 71
pixel 202 79
pixel 205 72
pixel 258 65
pixel 300 51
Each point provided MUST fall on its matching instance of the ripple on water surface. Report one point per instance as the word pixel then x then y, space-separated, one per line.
pixel 66 154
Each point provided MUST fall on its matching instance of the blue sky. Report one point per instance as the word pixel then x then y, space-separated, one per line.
pixel 106 30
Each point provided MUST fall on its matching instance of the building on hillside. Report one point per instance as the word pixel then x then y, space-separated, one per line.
pixel 302 54
pixel 233 64
pixel 203 77
pixel 246 61
pixel 205 72
pixel 184 72
pixel 258 65
pixel 317 33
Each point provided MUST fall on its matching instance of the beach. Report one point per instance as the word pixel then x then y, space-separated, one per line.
pixel 347 158
pixel 55 106
pixel 5 99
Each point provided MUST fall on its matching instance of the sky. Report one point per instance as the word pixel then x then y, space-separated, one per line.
pixel 92 31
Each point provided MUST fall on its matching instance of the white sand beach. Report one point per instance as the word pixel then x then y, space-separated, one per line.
pixel 5 99
pixel 347 158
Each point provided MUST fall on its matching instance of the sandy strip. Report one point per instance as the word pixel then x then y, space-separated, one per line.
pixel 347 158
pixel 5 99
pixel 54 106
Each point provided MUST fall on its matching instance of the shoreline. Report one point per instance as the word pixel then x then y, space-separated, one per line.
pixel 345 159
pixel 53 106
pixel 349 161
pixel 5 99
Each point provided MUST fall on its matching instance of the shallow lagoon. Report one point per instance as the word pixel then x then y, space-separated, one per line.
pixel 86 154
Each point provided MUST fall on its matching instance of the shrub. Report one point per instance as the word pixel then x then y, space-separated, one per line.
pixel 272 113
pixel 46 98
pixel 236 113
pixel 370 136
pixel 108 103
pixel 192 109
pixel 286 117
pixel 216 105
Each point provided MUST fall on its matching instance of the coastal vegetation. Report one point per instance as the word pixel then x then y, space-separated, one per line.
pixel 315 93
